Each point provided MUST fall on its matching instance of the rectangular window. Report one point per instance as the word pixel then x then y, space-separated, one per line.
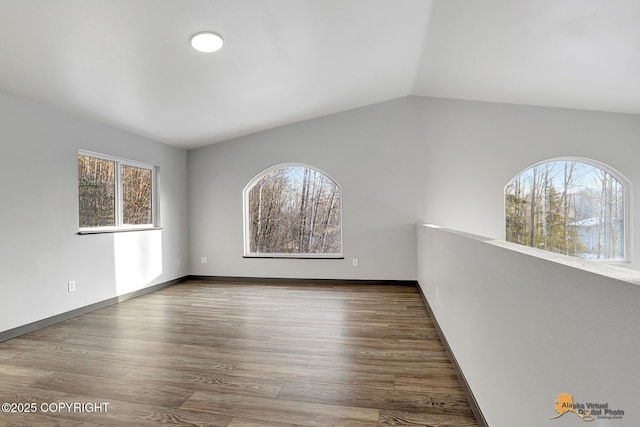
pixel 96 186
pixel 114 194
pixel 137 202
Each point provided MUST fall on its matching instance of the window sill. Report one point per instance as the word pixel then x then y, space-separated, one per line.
pixel 294 256
pixel 107 230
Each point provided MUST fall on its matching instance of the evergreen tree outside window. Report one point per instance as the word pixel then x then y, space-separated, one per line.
pixel 572 207
pixel 293 211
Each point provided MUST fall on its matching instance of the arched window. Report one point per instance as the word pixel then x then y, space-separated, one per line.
pixel 293 210
pixel 573 207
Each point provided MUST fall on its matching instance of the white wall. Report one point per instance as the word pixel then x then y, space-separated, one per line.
pixel 524 328
pixel 372 152
pixel 39 248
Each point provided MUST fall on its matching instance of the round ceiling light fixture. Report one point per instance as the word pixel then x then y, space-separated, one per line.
pixel 207 42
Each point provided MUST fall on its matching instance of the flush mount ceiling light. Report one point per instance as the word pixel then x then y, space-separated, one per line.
pixel 206 42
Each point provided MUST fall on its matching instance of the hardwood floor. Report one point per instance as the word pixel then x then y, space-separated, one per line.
pixel 239 355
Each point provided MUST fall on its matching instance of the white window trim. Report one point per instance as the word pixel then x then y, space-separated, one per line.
pixel 119 227
pixel 245 218
pixel 626 183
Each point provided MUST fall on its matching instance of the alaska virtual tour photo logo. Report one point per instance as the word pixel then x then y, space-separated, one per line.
pixel 588 411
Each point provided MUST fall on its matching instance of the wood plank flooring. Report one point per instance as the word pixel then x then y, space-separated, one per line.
pixel 240 355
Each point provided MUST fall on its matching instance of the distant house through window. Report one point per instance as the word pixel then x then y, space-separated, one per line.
pixel 572 207
pixel 293 210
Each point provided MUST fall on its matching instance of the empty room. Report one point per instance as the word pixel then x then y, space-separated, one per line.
pixel 318 213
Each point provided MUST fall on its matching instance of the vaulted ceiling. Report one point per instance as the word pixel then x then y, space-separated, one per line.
pixel 129 64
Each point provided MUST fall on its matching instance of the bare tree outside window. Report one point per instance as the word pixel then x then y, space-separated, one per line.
pixel 294 210
pixel 567 207
pixel 96 187
pixel 114 193
pixel 136 195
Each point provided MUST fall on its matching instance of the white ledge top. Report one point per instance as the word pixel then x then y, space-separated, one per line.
pixel 597 267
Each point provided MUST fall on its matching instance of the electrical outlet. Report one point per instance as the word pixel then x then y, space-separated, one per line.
pixel 179 262
pixel 203 260
pixel 71 285
pixel 354 262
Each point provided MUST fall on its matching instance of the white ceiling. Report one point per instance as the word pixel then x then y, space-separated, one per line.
pixel 128 63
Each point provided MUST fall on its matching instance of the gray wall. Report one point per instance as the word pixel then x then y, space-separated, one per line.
pixel 525 327
pixel 39 248
pixel 372 152
pixel 400 162
pixel 477 148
